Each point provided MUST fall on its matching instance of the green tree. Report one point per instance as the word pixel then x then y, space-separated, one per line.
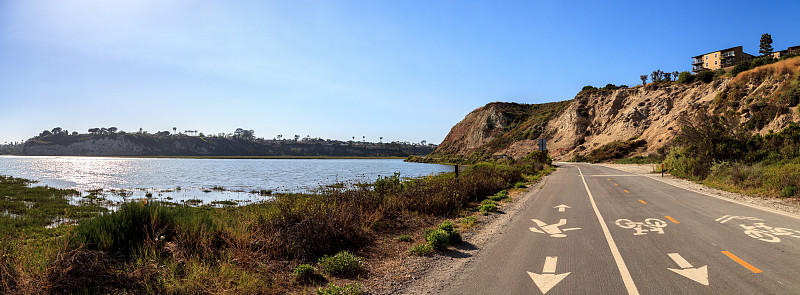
pixel 765 47
pixel 644 79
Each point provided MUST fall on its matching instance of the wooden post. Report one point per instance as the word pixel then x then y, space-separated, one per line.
pixel 456 171
pixel 662 169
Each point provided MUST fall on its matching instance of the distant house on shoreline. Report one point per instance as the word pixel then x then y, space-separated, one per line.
pixel 719 59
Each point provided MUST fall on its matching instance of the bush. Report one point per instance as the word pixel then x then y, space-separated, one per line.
pixel 332 289
pixel 343 262
pixel 487 206
pixel 453 236
pixel 788 191
pixel 520 185
pixel 706 76
pixel 447 226
pixel 438 239
pixel 685 78
pixel 404 238
pixel 741 68
pixel 588 88
pixel 421 250
pixel 719 73
pixel 502 195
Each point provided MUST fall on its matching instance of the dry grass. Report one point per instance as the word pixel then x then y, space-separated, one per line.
pixel 782 68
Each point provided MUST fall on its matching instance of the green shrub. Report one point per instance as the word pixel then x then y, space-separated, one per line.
pixel 404 238
pixel 439 239
pixel 306 273
pixel 487 206
pixel 744 66
pixel 499 196
pixel 685 78
pixel 447 226
pixel 421 250
pixel 588 88
pixel 520 185
pixel 453 236
pixel 343 262
pixel 719 73
pixel 331 289
pixel 788 191
pixel 706 76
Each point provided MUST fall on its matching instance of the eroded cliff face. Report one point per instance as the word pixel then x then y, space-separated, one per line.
pixel 762 100
pixel 651 113
pixel 477 128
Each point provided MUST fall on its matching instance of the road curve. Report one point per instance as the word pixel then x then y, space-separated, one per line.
pixel 598 230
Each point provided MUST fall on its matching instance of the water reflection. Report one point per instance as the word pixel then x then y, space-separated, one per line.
pixel 182 180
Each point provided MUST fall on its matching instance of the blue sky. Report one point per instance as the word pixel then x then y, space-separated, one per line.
pixel 402 70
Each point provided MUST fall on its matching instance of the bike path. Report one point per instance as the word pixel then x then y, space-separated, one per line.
pixel 504 266
pixel 699 228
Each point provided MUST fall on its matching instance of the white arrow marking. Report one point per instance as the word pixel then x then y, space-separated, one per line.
pixel 562 207
pixel 699 275
pixel 548 279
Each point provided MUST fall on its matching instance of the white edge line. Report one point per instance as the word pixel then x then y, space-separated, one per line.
pixel 623 270
pixel 770 210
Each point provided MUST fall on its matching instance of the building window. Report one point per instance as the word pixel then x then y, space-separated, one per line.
pixel 706 65
pixel 715 62
pixel 715 55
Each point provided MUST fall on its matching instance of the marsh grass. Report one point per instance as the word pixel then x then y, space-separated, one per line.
pixel 154 247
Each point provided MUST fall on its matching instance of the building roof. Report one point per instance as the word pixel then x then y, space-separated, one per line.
pixel 717 51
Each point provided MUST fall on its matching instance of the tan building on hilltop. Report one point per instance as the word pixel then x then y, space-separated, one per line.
pixel 720 59
pixel 790 50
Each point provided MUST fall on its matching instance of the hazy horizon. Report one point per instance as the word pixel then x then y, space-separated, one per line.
pixel 404 71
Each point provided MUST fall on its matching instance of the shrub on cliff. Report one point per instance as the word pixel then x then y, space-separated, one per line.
pixel 685 78
pixel 705 76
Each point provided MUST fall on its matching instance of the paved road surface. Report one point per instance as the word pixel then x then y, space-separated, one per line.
pixel 620 233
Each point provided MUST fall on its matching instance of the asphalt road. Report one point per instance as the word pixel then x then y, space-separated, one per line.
pixel 621 233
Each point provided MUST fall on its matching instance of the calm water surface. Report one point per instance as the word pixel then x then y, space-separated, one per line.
pixel 196 177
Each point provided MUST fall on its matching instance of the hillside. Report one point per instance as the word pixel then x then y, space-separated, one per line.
pixel 142 144
pixel 643 119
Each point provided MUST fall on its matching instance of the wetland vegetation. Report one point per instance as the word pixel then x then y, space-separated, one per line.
pixel 156 247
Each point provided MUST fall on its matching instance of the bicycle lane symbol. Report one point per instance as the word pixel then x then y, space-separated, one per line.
pixel 761 231
pixel 643 227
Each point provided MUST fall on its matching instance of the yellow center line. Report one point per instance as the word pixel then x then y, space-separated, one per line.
pixel 742 262
pixel 626 191
pixel 609 179
pixel 672 219
pixel 643 202
pixel 615 184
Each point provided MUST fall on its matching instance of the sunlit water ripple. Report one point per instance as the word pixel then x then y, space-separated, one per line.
pixel 195 177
